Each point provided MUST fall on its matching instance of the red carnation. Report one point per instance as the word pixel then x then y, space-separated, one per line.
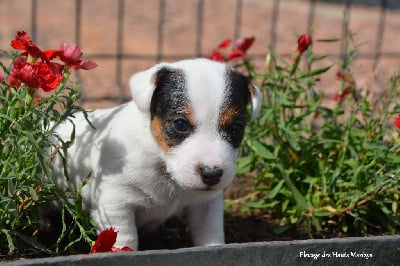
pixel 243 44
pixel 241 47
pixel 23 42
pixel 50 75
pixel 224 44
pixel 105 242
pixel 217 56
pixel 36 75
pixel 397 121
pixel 303 43
pixel 238 51
pixel 70 54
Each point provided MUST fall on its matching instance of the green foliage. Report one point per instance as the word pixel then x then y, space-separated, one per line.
pixel 321 168
pixel 26 153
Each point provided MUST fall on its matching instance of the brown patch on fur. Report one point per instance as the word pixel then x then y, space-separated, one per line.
pixel 156 128
pixel 227 116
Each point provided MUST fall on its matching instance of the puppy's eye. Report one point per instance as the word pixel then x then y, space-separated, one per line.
pixel 182 125
pixel 236 129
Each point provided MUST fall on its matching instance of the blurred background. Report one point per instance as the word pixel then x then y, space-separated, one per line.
pixel 126 36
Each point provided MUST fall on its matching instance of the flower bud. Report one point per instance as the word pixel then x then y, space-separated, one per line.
pixel 303 43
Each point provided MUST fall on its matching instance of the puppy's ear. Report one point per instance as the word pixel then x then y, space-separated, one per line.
pixel 255 100
pixel 142 86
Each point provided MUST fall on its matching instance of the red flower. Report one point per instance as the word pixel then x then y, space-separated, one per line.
pixel 340 75
pixel 238 51
pixel 23 71
pixel 243 44
pixel 342 96
pixel 217 56
pixel 224 44
pixel 23 42
pixel 70 54
pixel 303 43
pixel 35 75
pixel 397 121
pixel 49 74
pixel 45 74
pixel 105 242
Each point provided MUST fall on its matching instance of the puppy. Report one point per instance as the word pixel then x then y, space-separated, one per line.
pixel 171 149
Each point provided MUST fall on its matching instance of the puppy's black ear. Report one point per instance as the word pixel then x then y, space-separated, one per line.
pixel 142 86
pixel 249 91
pixel 255 100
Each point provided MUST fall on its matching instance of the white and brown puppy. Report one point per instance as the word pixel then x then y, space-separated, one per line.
pixel 170 149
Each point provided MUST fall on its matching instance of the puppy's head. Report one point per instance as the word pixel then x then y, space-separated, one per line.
pixel 197 111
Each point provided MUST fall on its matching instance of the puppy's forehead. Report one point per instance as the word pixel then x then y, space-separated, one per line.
pixel 206 89
pixel 213 87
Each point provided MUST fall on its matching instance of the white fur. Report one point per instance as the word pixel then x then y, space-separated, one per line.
pixel 133 182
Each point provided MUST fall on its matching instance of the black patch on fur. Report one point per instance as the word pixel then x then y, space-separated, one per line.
pixel 169 103
pixel 237 97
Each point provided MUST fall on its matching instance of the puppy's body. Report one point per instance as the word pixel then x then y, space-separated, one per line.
pixel 170 149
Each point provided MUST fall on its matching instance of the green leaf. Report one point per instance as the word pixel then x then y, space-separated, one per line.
pixel 33 242
pixel 10 241
pixel 275 190
pixel 301 201
pixel 33 194
pixel 244 164
pixel 315 72
pixel 328 40
pixel 322 213
pixel 281 229
pixel 261 150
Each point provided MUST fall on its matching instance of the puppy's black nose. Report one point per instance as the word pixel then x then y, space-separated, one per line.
pixel 210 175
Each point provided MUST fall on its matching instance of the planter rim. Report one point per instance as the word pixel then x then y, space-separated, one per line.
pixel 351 250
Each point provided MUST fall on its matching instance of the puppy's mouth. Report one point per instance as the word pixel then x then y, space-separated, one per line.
pixel 199 188
pixel 206 189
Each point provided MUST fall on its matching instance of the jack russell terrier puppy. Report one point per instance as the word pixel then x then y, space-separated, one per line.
pixel 171 149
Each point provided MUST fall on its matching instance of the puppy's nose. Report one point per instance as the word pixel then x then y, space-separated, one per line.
pixel 210 175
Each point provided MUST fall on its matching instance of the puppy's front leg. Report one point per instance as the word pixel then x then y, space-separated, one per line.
pixel 112 214
pixel 206 222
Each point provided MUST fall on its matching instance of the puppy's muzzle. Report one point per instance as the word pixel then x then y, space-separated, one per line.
pixel 210 175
